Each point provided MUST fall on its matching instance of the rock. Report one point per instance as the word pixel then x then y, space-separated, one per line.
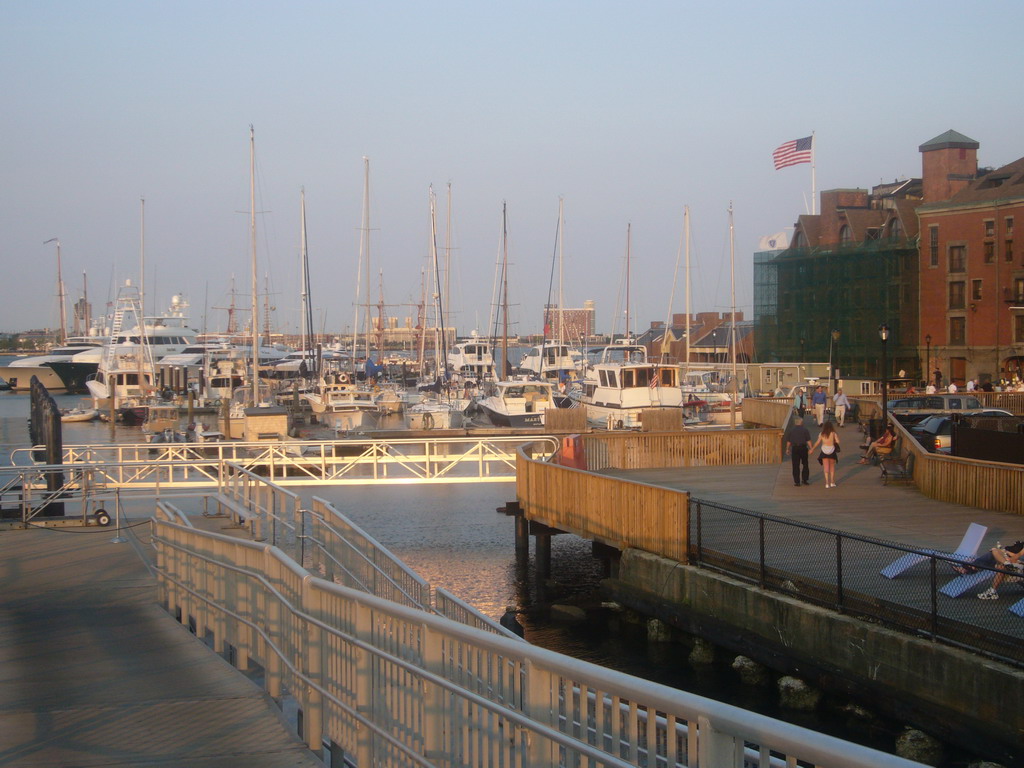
pixel 986 764
pixel 611 605
pixel 796 694
pixel 658 631
pixel 703 652
pixel 917 745
pixel 560 612
pixel 750 672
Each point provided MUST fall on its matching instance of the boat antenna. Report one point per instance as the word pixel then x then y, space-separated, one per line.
pixel 255 276
pixel 60 293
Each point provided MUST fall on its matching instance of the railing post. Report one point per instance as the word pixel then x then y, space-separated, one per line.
pixel 839 573
pixel 314 707
pixel 934 597
pixel 715 748
pixel 763 570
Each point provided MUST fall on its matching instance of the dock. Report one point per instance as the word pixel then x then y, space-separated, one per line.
pixel 95 672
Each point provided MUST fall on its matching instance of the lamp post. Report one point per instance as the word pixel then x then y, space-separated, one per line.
pixel 834 361
pixel 928 358
pixel 883 334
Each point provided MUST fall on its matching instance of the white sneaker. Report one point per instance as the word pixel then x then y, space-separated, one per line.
pixel 989 594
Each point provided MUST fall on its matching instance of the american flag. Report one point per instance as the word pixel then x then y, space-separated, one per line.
pixel 793 152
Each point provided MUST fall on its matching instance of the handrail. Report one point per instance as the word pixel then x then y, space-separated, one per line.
pixel 381 679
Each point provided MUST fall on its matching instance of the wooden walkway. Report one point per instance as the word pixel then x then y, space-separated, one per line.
pixel 93 672
pixel 859 504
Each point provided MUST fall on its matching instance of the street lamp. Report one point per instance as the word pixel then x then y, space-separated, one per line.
pixel 883 334
pixel 928 358
pixel 834 360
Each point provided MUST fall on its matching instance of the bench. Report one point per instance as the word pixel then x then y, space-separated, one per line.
pixel 964 552
pixel 900 469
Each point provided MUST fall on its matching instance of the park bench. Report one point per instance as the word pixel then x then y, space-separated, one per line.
pixel 898 469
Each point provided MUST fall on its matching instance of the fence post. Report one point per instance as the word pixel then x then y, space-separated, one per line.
pixel 839 573
pixel 935 596
pixel 715 748
pixel 760 531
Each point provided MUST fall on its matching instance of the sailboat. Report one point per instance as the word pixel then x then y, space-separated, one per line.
pixel 440 408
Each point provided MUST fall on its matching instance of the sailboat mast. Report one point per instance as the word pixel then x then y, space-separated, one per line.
pixel 255 277
pixel 307 317
pixel 504 296
pixel 732 281
pixel 142 257
pixel 366 230
pixel 629 236
pixel 686 229
pixel 60 294
pixel 561 296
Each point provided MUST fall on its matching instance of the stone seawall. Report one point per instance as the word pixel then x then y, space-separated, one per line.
pixel 965 698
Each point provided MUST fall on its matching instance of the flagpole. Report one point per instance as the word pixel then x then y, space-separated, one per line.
pixel 814 182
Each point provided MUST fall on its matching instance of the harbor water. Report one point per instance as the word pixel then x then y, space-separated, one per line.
pixel 455 538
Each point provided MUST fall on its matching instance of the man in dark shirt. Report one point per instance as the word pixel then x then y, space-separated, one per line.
pixel 798 446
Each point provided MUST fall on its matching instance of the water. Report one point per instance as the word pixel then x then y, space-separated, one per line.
pixel 453 536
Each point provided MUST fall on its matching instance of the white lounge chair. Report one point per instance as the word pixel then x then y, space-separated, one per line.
pixel 965 552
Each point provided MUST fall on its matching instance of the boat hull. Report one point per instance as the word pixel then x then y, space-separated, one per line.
pixel 19 378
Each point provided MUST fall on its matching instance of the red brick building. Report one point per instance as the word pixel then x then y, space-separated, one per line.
pixel 971 267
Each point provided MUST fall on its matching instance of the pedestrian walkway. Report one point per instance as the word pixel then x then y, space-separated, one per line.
pixel 859 503
pixel 94 673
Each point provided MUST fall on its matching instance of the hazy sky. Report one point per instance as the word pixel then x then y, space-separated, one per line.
pixel 627 111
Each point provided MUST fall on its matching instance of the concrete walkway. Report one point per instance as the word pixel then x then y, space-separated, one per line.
pixel 94 673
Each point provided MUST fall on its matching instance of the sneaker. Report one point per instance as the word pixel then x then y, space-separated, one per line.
pixel 807 482
pixel 989 594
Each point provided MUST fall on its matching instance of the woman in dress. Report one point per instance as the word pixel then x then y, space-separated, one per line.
pixel 828 439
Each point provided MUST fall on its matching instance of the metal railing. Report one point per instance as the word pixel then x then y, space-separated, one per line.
pixel 842 571
pixel 306 462
pixel 393 685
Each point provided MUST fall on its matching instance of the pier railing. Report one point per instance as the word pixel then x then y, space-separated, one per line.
pixel 692 448
pixel 385 684
pixel 846 575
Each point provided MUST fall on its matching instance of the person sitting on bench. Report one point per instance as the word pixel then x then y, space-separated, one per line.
pixel 881 447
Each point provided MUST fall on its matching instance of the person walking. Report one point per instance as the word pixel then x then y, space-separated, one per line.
pixel 819 400
pixel 799 402
pixel 798 446
pixel 842 402
pixel 828 439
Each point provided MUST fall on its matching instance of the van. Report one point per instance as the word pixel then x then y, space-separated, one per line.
pixel 911 410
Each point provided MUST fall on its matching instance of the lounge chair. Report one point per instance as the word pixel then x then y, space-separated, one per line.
pixel 965 552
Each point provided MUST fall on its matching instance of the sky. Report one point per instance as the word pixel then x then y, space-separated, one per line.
pixel 624 112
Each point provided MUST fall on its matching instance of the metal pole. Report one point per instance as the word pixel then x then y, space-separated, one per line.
pixel 883 332
pixel 118 539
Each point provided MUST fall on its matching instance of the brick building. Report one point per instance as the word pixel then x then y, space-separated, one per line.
pixel 971 270
pixel 931 258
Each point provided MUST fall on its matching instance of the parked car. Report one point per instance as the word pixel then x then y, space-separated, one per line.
pixel 935 433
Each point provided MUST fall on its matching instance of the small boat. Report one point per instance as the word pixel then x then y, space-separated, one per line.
pixel 78 414
pixel 514 403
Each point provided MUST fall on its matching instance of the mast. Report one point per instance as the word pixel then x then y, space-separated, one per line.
pixel 561 295
pixel 629 236
pixel 441 350
pixel 307 315
pixel 142 260
pixel 504 297
pixel 732 333
pixel 255 277
pixel 60 293
pixel 686 230
pixel 448 253
pixel 366 230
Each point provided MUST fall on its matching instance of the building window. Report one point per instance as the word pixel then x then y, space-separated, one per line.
pixel 956 295
pixel 990 252
pixel 895 230
pixel 1018 328
pixel 957 331
pixel 1009 227
pixel 990 227
pixel 933 243
pixel 1018 290
pixel 845 235
pixel 976 290
pixel 957 258
pixel 1008 252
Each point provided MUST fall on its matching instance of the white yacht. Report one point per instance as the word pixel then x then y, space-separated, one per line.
pixel 341 403
pixel 513 403
pixel 621 383
pixel 552 361
pixel 18 374
pixel 472 359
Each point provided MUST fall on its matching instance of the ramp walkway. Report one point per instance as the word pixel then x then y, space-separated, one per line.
pixel 93 672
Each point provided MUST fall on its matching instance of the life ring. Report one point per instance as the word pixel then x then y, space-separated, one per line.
pixel 428 421
pixel 217 403
pixel 343 378
pixel 619 424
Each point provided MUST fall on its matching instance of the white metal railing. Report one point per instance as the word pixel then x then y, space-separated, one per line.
pixel 305 462
pixel 393 685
